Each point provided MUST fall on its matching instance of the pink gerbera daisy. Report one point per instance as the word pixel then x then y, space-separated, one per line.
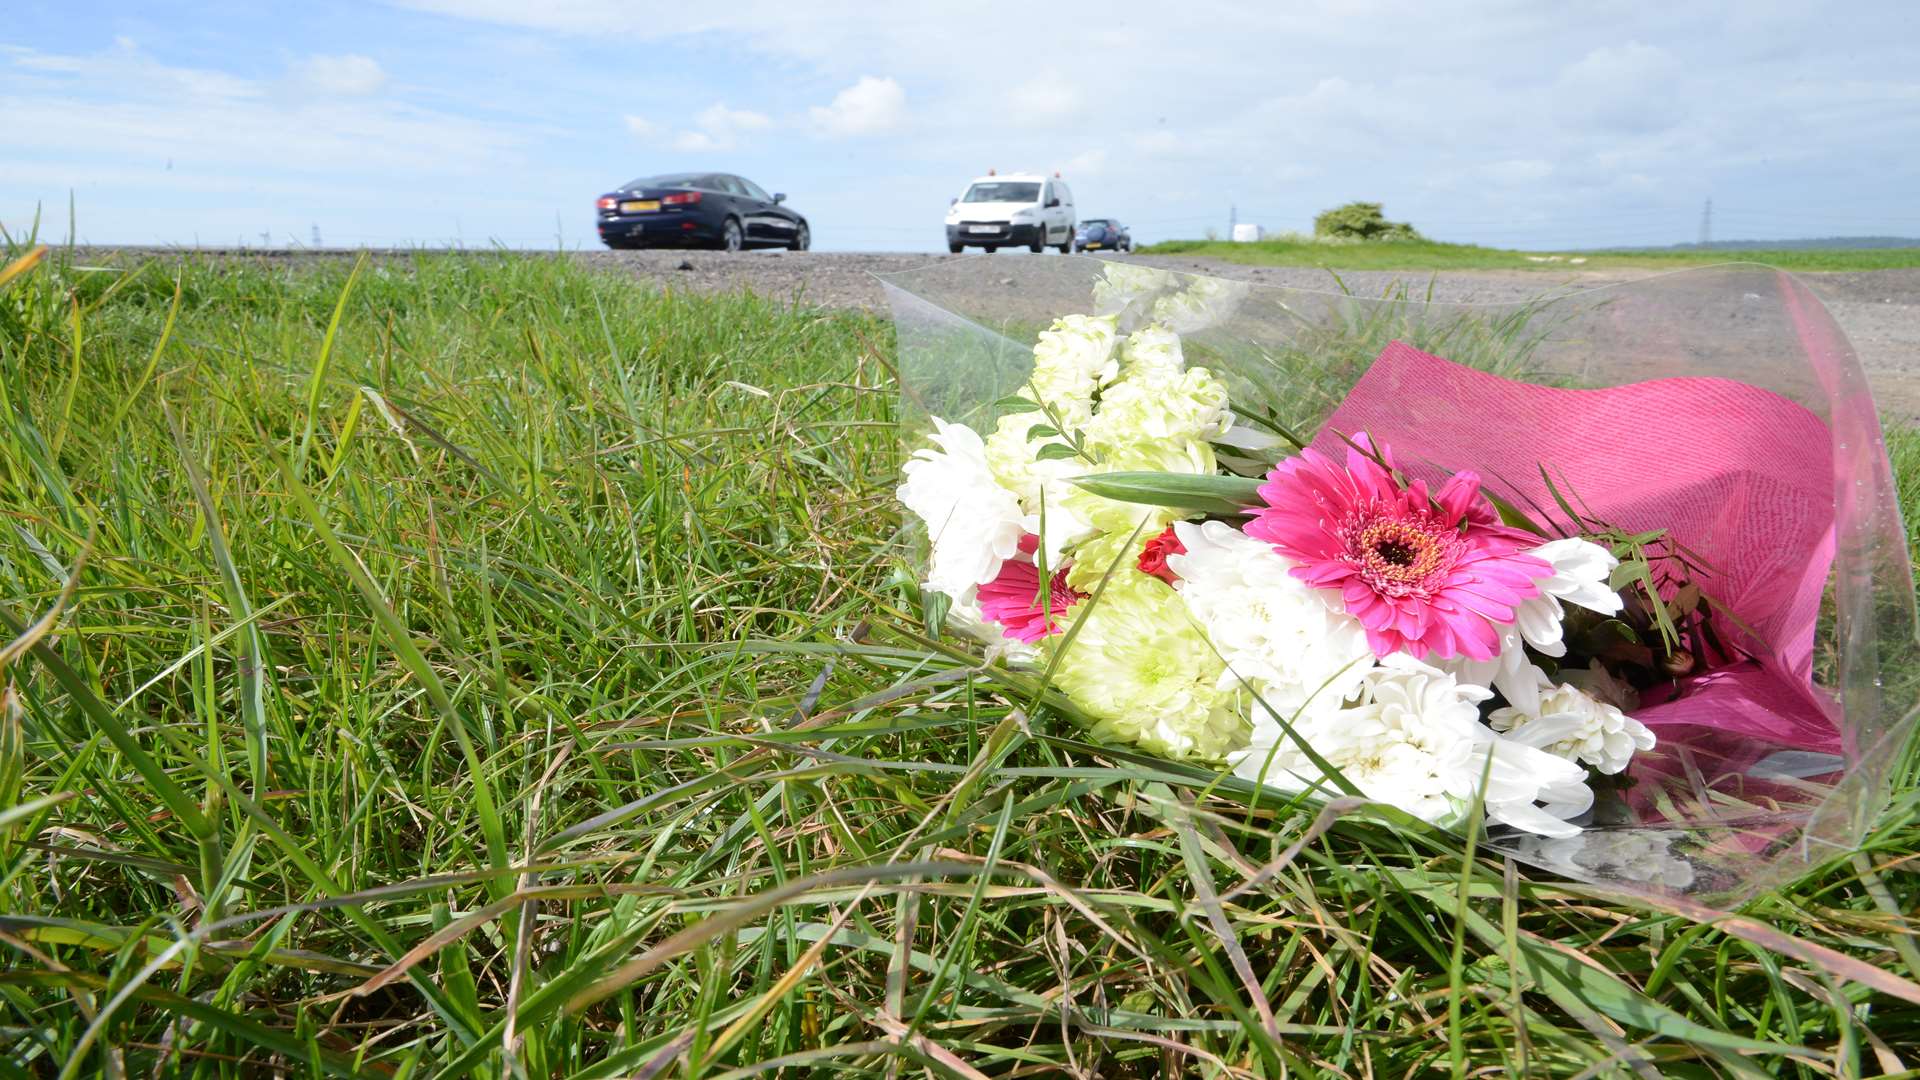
pixel 1015 601
pixel 1427 575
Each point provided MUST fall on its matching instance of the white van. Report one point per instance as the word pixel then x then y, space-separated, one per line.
pixel 1017 208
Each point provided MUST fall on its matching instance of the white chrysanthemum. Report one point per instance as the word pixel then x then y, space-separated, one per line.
pixel 1206 301
pixel 1073 360
pixel 1145 672
pixel 1127 290
pixel 1529 789
pixel 1043 486
pixel 1411 737
pixel 1581 570
pixel 1571 724
pixel 1279 636
pixel 973 522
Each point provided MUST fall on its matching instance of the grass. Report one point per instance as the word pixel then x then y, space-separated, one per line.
pixel 1428 255
pixel 476 666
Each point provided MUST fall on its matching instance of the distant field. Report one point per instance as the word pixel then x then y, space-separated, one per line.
pixel 1433 256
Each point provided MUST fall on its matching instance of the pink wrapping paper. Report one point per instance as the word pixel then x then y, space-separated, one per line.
pixel 1738 474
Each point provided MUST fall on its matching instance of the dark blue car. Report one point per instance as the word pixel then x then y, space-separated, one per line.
pixel 716 210
pixel 1102 234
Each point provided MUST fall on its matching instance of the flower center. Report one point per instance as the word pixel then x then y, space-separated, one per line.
pixel 1400 555
pixel 1396 552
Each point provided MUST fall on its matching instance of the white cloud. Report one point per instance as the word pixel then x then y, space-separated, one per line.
pixel 716 127
pixel 344 75
pixel 872 106
pixel 126 65
pixel 210 120
pixel 1043 101
pixel 1516 171
pixel 1631 88
pixel 718 120
pixel 1086 163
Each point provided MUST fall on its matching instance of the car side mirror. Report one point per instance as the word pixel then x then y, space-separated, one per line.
pixel 1051 203
pixel 779 196
pixel 955 201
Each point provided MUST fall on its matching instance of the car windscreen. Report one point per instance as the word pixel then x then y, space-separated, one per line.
pixel 1003 191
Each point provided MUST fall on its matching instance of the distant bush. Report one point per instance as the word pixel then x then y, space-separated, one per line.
pixel 1360 221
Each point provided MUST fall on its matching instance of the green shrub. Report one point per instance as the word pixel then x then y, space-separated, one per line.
pixel 1360 221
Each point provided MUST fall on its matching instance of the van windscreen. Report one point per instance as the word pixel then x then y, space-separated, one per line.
pixel 1002 191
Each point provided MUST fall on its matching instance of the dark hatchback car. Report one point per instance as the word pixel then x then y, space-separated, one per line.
pixel 717 210
pixel 1102 234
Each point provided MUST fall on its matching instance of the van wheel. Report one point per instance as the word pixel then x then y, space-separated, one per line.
pixel 991 248
pixel 1066 246
pixel 1039 239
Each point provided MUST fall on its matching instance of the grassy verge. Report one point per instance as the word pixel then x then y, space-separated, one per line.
pixel 1435 256
pixel 483 667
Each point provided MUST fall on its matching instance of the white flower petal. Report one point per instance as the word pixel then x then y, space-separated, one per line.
pixel 973 522
pixel 1278 635
pixel 1573 725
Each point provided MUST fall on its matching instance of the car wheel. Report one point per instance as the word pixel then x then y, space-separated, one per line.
pixel 1039 243
pixel 731 239
pixel 801 239
pixel 955 248
pixel 991 248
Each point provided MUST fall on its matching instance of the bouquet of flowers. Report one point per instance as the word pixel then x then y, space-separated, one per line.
pixel 1446 598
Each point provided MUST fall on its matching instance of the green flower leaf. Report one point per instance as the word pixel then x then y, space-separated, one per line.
pixel 1185 491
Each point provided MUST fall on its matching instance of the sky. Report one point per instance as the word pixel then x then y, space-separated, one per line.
pixel 474 122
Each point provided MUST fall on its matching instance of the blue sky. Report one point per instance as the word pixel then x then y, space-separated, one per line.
pixel 477 121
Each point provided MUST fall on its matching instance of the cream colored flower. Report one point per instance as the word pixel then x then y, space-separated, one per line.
pixel 1127 290
pixel 1138 665
pixel 1205 302
pixel 1072 361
